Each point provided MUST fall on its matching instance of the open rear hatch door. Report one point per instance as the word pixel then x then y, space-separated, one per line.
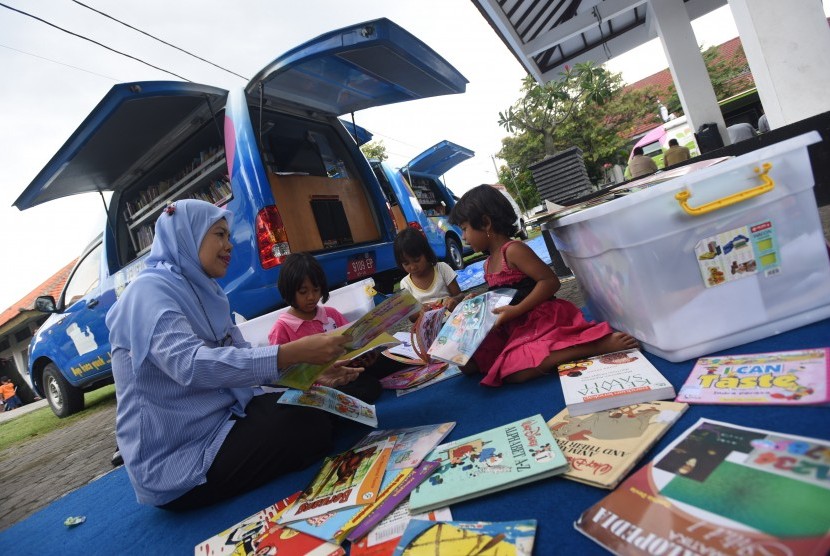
pixel 439 159
pixel 133 127
pixel 360 66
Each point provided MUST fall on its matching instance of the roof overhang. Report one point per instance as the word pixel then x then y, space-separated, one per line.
pixel 547 35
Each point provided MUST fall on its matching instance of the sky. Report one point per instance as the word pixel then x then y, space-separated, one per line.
pixel 51 81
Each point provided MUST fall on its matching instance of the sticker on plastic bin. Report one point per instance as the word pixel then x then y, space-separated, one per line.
pixel 739 253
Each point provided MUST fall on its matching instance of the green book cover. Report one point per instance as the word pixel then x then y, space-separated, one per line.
pixel 493 460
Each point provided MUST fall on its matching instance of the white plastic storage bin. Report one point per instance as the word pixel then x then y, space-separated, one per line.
pixel 686 284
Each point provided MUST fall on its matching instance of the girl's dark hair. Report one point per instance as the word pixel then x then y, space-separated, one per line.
pixel 485 200
pixel 413 243
pixel 294 270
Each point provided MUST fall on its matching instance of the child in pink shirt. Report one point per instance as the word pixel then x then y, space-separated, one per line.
pixel 302 284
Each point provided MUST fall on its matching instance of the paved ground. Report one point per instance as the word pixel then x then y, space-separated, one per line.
pixel 43 469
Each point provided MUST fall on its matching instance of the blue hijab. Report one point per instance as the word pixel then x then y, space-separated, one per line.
pixel 173 280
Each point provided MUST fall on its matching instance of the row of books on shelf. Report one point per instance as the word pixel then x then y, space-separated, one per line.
pixel 388 495
pixel 217 191
pixel 148 195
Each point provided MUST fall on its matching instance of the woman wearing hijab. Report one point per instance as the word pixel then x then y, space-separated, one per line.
pixel 189 427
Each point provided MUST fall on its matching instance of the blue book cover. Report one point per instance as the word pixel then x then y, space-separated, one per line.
pixel 493 460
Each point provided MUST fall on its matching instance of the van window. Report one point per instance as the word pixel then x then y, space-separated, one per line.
pixel 85 278
pixel 297 146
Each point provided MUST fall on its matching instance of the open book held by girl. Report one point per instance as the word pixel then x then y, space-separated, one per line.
pixel 537 331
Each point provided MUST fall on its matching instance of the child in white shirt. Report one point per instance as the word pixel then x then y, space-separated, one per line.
pixel 430 281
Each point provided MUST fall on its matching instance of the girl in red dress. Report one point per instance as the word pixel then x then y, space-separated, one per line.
pixel 536 332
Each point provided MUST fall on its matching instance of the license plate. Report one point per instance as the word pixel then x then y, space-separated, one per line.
pixel 360 266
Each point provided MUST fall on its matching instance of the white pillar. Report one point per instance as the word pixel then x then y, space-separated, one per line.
pixel 700 104
pixel 787 45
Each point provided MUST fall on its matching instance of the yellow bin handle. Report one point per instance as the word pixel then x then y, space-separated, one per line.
pixel 767 185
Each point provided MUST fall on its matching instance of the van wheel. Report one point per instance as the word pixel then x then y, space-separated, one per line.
pixel 455 256
pixel 64 398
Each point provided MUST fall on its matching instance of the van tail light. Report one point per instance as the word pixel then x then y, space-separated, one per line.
pixel 417 226
pixel 271 237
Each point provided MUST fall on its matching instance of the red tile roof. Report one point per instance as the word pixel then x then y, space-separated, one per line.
pixel 52 286
pixel 662 80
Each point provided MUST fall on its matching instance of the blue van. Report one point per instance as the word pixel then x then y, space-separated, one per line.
pixel 418 198
pixel 274 153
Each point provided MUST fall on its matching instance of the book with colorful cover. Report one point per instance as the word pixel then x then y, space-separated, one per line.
pixel 412 376
pixel 362 331
pixel 468 537
pixel 423 333
pixel 334 401
pixel 384 538
pixel 349 479
pixel 390 497
pixel 260 532
pixel 449 372
pixel 412 444
pixel 492 460
pixel 602 447
pixel 611 380
pixel 781 378
pixel 723 489
pixel 302 375
pixel 468 325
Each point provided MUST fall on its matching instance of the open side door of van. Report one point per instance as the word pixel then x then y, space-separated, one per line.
pixel 132 128
pixel 439 159
pixel 361 66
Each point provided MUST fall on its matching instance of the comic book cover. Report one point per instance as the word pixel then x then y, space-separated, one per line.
pixel 468 537
pixel 468 325
pixel 780 378
pixel 493 460
pixel 334 401
pixel 414 344
pixel 412 376
pixel 303 375
pixel 602 447
pixel 384 538
pixel 260 531
pixel 449 372
pixel 412 444
pixel 724 489
pixel 348 479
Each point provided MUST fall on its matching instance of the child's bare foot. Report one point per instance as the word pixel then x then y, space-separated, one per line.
pixel 616 341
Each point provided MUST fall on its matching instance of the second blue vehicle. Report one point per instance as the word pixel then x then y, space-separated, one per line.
pixel 418 198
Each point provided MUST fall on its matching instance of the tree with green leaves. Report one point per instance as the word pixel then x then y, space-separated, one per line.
pixel 374 150
pixel 542 108
pixel 729 76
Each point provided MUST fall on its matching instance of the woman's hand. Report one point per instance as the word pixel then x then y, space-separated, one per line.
pixel 339 374
pixel 316 349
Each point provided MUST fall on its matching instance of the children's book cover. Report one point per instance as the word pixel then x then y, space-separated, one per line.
pixel 611 380
pixel 602 447
pixel 303 375
pixel 468 537
pixel 493 460
pixel 384 538
pixel 348 479
pixel 468 325
pixel 391 497
pixel 721 488
pixel 449 372
pixel 412 444
pixel 260 533
pixel 412 376
pixel 384 316
pixel 780 378
pixel 334 401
